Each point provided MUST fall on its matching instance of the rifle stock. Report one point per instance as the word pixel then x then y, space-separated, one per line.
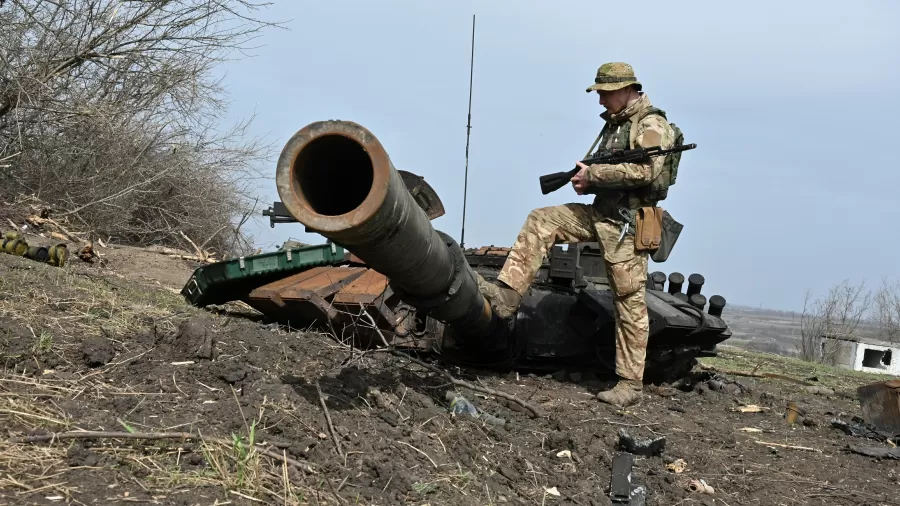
pixel 552 182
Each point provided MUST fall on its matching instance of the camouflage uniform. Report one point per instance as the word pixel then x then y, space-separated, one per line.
pixel 618 189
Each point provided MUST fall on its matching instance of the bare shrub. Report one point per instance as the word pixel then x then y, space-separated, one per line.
pixel 836 316
pixel 887 310
pixel 110 113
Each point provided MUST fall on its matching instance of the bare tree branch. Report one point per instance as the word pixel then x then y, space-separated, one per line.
pixel 887 310
pixel 826 324
pixel 116 113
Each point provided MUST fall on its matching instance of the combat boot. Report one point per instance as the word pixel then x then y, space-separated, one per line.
pixel 503 300
pixel 624 394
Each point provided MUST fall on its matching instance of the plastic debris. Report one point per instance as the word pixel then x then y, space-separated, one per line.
pixel 677 466
pixel 700 486
pixel 459 405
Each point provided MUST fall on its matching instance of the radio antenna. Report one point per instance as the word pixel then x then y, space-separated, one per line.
pixel 462 240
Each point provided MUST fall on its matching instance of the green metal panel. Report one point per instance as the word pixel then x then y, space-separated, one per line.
pixel 233 279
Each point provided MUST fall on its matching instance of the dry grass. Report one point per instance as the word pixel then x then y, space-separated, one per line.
pixel 30 470
pixel 73 302
pixel 237 466
pixel 836 378
pixel 62 307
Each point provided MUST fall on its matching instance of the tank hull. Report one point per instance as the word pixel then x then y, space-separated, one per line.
pixel 561 324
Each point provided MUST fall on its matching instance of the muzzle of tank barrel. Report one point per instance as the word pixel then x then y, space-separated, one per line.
pixel 336 178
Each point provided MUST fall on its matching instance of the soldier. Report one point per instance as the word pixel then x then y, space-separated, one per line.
pixel 619 191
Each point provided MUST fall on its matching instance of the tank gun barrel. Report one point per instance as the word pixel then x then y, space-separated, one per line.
pixel 336 178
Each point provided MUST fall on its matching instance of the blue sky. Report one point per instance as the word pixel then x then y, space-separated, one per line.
pixel 792 185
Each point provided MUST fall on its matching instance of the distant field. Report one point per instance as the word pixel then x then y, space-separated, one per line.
pixel 769 330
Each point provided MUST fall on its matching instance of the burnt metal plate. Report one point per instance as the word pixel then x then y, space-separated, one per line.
pixel 324 284
pixel 266 291
pixel 365 289
pixel 880 405
pixel 622 489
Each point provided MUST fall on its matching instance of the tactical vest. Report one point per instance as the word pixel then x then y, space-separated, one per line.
pixel 621 136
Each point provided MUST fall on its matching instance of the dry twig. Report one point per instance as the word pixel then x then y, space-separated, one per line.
pixel 38 222
pixel 203 259
pixel 792 447
pixel 334 436
pixel 202 255
pixel 769 375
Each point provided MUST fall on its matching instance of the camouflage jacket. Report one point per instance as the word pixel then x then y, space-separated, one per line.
pixel 620 186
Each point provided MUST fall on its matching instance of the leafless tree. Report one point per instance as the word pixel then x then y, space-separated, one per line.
pixel 110 113
pixel 887 310
pixel 836 317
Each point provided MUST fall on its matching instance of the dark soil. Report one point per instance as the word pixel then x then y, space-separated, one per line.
pixel 99 353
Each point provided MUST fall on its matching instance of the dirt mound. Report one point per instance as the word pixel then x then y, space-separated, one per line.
pixel 90 352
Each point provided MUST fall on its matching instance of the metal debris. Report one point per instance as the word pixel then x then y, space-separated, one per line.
pixel 865 430
pixel 878 452
pixel 880 404
pixel 621 488
pixel 643 447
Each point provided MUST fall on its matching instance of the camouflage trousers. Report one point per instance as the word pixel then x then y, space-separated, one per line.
pixel 626 270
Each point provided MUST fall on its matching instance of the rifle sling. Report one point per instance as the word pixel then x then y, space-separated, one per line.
pixel 599 136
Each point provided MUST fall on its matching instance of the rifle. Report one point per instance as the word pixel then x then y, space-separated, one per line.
pixel 555 181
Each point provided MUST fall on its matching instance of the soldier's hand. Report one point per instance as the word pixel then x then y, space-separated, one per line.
pixel 579 181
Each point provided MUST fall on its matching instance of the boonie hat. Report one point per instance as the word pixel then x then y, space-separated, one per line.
pixel 613 76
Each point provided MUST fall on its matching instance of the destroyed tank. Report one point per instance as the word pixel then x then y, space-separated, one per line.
pixel 395 280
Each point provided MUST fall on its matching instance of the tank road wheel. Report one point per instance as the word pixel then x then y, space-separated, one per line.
pixel 667 371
